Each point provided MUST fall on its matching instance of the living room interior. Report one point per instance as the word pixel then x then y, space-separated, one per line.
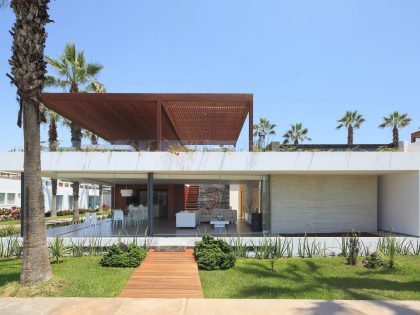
pixel 210 206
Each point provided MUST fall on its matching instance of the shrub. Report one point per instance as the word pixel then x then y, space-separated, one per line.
pixel 213 254
pixel 385 255
pixel 381 260
pixel 118 256
pixel 9 214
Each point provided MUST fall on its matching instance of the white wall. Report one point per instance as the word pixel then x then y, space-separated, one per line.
pixel 412 147
pixel 323 203
pixel 10 187
pixel 399 203
pixel 133 164
pixel 234 198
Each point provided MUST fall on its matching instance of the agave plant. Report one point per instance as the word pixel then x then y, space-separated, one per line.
pixel 58 249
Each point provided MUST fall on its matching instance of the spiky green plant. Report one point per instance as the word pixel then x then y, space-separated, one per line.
pixel 58 249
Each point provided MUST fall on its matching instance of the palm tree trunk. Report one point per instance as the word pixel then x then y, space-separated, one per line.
pixel 76 136
pixel 101 197
pixel 395 137
pixel 54 197
pixel 76 201
pixel 28 75
pixel 296 142
pixel 35 263
pixel 350 136
pixel 93 139
pixel 76 142
pixel 52 142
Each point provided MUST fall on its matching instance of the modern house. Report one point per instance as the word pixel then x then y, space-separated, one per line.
pixel 290 192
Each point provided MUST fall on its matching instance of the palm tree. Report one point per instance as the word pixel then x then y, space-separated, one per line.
pixel 28 69
pixel 91 136
pixel 350 120
pixel 263 129
pixel 53 118
pixel 396 121
pixel 296 134
pixel 76 75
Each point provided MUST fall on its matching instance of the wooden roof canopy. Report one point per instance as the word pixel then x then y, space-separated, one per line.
pixel 414 136
pixel 133 118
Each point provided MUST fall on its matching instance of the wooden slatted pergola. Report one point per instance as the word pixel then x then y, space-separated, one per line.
pixel 415 136
pixel 134 118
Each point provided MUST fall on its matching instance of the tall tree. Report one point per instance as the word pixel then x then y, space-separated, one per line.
pixel 296 134
pixel 396 121
pixel 350 120
pixel 28 70
pixel 75 75
pixel 264 130
pixel 52 119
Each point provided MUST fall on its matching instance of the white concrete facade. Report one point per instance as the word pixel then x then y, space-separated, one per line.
pixel 399 203
pixel 310 191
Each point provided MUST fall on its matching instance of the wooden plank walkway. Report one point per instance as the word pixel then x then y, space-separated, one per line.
pixel 165 275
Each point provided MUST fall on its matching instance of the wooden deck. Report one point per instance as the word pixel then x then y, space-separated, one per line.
pixel 165 275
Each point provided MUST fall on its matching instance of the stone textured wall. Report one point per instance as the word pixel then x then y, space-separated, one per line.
pixel 213 196
pixel 323 203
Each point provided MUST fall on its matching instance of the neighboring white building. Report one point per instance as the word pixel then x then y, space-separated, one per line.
pixel 9 192
pixel 88 194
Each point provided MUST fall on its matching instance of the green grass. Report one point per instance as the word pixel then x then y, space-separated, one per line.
pixel 78 277
pixel 315 278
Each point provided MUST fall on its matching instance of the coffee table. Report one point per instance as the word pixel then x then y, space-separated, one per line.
pixel 219 223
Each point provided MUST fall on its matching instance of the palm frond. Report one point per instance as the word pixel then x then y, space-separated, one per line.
pixel 93 69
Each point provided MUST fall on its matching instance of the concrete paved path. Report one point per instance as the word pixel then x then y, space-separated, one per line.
pixel 122 306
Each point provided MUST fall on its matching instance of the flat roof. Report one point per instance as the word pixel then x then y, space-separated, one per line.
pixel 213 118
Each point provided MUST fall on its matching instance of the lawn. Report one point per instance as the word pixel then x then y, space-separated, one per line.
pixel 314 278
pixel 73 277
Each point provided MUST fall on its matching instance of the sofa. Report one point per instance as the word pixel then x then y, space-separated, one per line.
pixel 209 215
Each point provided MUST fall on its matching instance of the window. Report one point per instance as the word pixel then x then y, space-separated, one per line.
pixel 70 202
pixel 59 202
pixel 93 202
pixel 2 198
pixel 10 198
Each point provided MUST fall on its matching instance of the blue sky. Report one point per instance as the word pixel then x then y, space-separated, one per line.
pixel 304 61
